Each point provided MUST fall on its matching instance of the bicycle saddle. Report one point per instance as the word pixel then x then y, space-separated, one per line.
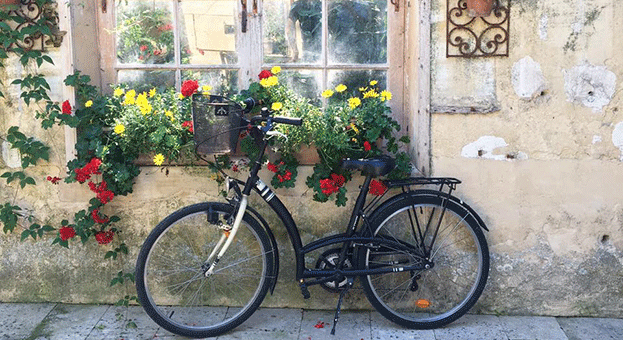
pixel 375 167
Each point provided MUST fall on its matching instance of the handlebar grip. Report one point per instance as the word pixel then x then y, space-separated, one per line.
pixel 288 120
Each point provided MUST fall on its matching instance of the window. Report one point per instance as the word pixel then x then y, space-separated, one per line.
pixel 226 43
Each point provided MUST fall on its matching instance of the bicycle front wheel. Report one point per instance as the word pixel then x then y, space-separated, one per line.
pixel 170 279
pixel 431 230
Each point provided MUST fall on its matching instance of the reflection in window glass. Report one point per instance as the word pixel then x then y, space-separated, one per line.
pixel 222 82
pixel 143 81
pixel 357 31
pixel 305 83
pixel 144 32
pixel 208 32
pixel 292 31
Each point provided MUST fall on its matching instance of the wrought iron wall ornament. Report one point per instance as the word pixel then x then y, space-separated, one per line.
pixel 473 37
pixel 31 13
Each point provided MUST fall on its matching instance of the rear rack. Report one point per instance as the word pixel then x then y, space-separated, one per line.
pixel 408 182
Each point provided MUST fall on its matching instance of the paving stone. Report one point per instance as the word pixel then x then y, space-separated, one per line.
pixel 21 321
pixel 592 328
pixel 68 322
pixel 532 328
pixel 382 329
pixel 473 327
pixel 115 324
pixel 353 325
pixel 268 323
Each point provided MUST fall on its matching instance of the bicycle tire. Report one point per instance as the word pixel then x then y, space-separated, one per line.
pixel 430 298
pixel 170 282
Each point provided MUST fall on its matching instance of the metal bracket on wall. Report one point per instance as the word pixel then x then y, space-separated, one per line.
pixel 474 36
pixel 30 13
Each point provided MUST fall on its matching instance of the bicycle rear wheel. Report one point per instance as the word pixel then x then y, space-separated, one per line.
pixel 170 279
pixel 431 229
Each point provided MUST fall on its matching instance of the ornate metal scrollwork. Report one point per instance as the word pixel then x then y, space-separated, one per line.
pixel 31 13
pixel 473 37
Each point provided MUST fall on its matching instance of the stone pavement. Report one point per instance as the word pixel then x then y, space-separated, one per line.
pixel 62 321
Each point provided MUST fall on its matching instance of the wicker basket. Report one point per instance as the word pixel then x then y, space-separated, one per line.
pixel 216 124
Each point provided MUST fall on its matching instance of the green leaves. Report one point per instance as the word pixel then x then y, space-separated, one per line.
pixel 19 175
pixel 113 253
pixel 30 149
pixel 36 230
pixel 9 215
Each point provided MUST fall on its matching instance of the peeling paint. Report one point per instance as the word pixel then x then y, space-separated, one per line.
pixel 486 145
pixel 543 27
pixel 617 138
pixel 10 156
pixel 527 78
pixel 596 139
pixel 590 85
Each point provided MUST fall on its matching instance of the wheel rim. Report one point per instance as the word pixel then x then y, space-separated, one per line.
pixel 449 286
pixel 180 293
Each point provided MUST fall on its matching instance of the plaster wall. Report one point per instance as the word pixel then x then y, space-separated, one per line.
pixel 541 156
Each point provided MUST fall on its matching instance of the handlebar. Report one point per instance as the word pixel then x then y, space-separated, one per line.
pixel 251 103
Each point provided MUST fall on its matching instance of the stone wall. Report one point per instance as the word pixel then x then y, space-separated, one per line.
pixel 541 155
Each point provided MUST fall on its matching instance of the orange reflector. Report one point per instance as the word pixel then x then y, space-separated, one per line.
pixel 422 303
pixel 226 234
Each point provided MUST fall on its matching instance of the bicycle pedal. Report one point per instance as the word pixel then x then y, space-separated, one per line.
pixel 304 291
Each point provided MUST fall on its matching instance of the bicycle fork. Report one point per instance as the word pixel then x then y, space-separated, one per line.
pixel 226 239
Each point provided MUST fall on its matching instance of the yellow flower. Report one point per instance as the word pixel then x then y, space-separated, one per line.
pixel 352 125
pixel 276 106
pixel 158 159
pixel 205 90
pixel 370 94
pixel 327 93
pixel 340 88
pixel 374 82
pixel 275 70
pixel 119 129
pixel 363 89
pixel 270 81
pixel 118 92
pixel 152 92
pixel 354 102
pixel 386 95
pixel 143 103
pixel 180 96
pixel 89 103
pixel 170 115
pixel 129 97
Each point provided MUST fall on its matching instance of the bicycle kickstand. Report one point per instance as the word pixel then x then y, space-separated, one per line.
pixel 349 285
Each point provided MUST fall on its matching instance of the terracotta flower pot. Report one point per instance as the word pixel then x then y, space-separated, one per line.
pixel 479 8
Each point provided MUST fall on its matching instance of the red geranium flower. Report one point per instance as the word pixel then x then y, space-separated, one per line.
pixel 189 87
pixel 188 124
pixel 272 167
pixel 104 237
pixel 66 233
pixel 143 48
pixel 54 180
pixel 265 74
pixel 367 146
pixel 105 196
pixel 97 219
pixel 377 188
pixel 66 107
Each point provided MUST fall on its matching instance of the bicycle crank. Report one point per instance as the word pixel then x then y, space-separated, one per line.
pixel 328 261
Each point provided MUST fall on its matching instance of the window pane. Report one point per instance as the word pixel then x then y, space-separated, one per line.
pixel 144 32
pixel 208 31
pixel 143 81
pixel 357 31
pixel 223 82
pixel 292 31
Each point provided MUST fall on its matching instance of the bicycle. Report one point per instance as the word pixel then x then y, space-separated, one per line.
pixel 421 254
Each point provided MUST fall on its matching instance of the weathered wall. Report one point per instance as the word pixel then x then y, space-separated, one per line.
pixel 544 167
